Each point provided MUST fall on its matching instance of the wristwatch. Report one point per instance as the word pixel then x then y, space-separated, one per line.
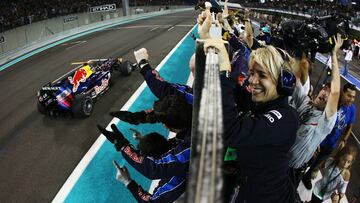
pixel 142 63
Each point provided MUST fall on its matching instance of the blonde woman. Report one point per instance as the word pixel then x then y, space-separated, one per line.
pixel 263 139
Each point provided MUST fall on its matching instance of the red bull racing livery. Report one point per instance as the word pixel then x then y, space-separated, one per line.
pixel 76 91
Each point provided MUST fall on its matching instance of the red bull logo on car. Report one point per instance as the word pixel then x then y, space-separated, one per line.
pixel 103 86
pixel 79 76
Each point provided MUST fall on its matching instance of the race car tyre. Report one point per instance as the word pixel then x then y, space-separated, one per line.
pixel 126 68
pixel 41 108
pixel 111 81
pixel 82 106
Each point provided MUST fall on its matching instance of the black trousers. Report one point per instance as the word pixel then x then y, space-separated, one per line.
pixel 315 162
pixel 296 175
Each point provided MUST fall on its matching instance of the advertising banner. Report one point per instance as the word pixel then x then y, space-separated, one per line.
pixel 103 8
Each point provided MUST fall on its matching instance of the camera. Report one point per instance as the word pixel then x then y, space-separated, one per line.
pixel 313 35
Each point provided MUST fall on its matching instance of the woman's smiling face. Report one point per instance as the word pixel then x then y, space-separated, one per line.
pixel 263 86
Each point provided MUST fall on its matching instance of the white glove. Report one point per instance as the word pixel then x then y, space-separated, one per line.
pixel 136 134
pixel 218 44
pixel 208 5
pixel 123 176
pixel 141 54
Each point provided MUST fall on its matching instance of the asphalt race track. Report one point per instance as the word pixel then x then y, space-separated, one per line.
pixel 38 153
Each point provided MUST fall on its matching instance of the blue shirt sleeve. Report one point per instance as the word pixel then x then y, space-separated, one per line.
pixel 173 163
pixel 158 86
pixel 161 88
pixel 353 114
pixel 168 191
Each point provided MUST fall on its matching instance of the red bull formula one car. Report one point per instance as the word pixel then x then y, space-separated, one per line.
pixel 76 91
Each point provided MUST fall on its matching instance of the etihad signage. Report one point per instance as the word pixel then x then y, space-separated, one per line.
pixel 103 8
pixel 70 19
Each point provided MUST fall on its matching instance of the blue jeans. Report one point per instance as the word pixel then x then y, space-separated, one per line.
pixel 346 67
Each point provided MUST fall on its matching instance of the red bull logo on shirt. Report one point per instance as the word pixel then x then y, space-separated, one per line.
pixel 79 76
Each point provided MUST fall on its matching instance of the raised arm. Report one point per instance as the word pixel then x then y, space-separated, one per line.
pixel 332 103
pixel 249 34
pixel 173 163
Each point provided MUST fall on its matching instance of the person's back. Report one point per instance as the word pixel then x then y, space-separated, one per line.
pixel 171 167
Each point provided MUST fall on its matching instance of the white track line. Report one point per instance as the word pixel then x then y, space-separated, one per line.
pixel 148 26
pixel 154 29
pixel 170 28
pixel 75 44
pixel 80 168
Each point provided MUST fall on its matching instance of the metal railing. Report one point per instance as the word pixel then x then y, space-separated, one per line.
pixel 205 179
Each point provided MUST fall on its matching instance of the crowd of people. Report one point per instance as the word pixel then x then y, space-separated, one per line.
pixel 17 13
pixel 313 8
pixel 281 133
pixel 270 26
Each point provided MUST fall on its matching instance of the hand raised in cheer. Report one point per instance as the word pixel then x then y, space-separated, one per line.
pixel 204 21
pixel 218 44
pixel 115 136
pixel 338 42
pixel 136 134
pixel 122 174
pixel 141 54
pixel 130 117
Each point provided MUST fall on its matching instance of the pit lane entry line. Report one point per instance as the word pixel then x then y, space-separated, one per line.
pixel 85 161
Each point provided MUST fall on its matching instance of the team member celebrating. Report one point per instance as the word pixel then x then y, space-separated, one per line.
pixel 263 139
pixel 317 117
pixel 172 167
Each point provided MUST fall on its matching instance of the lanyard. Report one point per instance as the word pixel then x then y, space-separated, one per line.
pixel 327 184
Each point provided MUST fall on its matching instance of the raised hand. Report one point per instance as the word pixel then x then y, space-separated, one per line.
pixel 218 44
pixel 141 54
pixel 204 21
pixel 338 43
pixel 115 136
pixel 136 134
pixel 122 174
pixel 130 117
